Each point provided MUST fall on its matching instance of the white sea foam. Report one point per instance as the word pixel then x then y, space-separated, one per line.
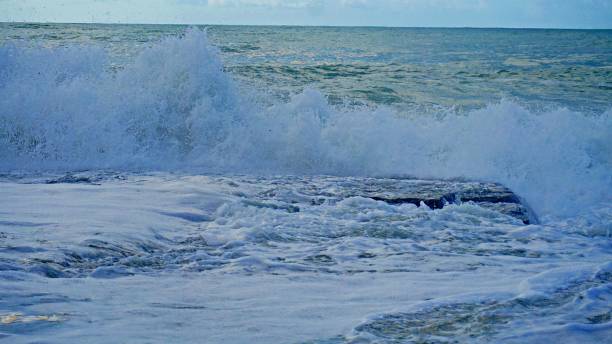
pixel 175 108
pixel 173 257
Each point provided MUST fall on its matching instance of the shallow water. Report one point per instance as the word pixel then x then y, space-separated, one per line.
pixel 260 184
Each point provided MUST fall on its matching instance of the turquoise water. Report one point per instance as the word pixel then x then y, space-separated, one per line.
pixel 403 67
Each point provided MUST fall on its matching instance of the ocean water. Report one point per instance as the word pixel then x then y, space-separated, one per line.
pixel 256 184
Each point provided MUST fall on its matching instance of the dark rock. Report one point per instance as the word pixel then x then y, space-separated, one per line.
pixel 84 177
pixel 70 179
pixel 433 203
pixel 436 194
pixel 516 210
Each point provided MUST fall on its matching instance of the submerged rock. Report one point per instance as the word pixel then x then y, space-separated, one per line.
pixel 436 194
pixel 289 193
pixel 71 179
pixel 84 177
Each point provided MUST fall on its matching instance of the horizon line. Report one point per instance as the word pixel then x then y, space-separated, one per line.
pixel 313 25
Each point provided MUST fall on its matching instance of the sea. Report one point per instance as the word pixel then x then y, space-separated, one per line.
pixel 284 184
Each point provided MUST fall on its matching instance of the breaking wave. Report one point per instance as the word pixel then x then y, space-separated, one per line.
pixel 174 108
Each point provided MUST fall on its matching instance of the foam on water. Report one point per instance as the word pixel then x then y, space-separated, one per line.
pixel 173 257
pixel 175 108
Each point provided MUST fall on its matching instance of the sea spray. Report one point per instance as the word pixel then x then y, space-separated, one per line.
pixel 174 107
pixel 203 212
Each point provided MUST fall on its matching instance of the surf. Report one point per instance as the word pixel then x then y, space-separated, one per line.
pixel 174 108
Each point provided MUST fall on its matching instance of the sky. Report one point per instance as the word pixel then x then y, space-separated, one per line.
pixel 586 14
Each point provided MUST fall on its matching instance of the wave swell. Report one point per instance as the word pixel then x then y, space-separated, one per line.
pixel 174 108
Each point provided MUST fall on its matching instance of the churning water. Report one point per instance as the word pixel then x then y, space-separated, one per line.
pixel 249 184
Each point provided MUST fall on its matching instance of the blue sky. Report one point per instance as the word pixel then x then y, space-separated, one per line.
pixel 474 13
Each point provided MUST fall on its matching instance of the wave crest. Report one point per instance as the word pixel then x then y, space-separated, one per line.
pixel 175 108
